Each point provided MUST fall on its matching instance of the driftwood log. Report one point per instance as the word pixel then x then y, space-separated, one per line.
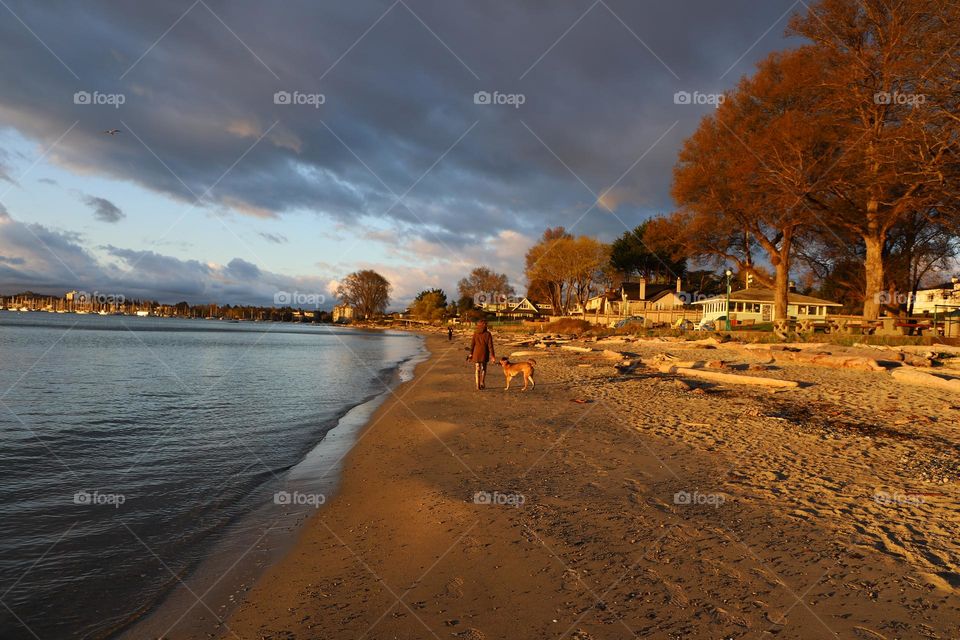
pixel 729 378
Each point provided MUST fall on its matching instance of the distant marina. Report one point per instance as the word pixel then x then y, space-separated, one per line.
pixel 104 304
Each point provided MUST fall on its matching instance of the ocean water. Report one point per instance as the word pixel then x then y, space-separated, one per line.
pixel 128 446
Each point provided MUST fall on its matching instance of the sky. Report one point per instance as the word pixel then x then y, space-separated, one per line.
pixel 274 147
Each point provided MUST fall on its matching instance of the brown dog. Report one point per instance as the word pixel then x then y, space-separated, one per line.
pixel 511 369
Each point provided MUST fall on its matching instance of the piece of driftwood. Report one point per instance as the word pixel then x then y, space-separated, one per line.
pixel 808 355
pixel 924 379
pixel 730 378
pixel 627 365
pixel 570 347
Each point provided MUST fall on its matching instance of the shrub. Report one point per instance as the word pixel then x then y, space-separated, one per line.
pixel 568 325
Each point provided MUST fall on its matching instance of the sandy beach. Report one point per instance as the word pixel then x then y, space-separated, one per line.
pixel 641 504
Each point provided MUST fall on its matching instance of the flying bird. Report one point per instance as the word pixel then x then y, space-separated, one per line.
pixel 112 132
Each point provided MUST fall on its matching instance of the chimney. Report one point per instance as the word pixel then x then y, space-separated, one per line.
pixel 956 283
pixel 749 280
pixel 643 288
pixel 679 286
pixel 792 286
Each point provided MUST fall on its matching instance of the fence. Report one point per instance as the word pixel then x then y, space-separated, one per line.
pixel 655 316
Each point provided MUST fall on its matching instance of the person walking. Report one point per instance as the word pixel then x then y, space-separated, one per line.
pixel 449 334
pixel 481 352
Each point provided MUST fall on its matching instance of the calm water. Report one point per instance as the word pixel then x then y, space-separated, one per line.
pixel 128 444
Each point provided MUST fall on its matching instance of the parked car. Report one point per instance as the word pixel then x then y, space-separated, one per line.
pixel 626 322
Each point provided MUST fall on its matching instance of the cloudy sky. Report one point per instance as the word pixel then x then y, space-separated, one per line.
pixel 276 146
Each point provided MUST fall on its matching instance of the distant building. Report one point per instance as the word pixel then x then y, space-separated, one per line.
pixel 755 304
pixel 343 313
pixel 946 295
pixel 510 307
pixel 528 309
pixel 633 298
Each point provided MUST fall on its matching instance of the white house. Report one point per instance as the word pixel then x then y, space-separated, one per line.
pixel 342 313
pixel 755 304
pixel 946 296
pixel 633 298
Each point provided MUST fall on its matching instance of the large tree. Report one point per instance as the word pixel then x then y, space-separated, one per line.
pixel 483 282
pixel 742 177
pixel 631 256
pixel 430 304
pixel 891 78
pixel 538 288
pixel 570 269
pixel 366 291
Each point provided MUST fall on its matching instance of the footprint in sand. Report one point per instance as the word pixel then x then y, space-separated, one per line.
pixel 454 589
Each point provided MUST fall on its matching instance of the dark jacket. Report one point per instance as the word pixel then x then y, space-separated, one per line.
pixel 481 347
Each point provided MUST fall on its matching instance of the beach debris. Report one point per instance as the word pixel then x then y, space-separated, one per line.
pixel 731 378
pixel 520 354
pixel 581 400
pixel 922 378
pixel 570 347
pixel 825 359
pixel 627 365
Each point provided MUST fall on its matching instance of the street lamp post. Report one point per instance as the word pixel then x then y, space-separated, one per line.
pixel 729 274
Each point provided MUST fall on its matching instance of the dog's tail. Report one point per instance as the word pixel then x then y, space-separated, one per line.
pixel 532 362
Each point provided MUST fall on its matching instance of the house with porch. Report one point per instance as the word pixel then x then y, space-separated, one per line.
pixel 937 300
pixel 754 305
pixel 634 298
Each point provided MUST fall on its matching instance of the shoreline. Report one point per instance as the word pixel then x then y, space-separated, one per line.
pixel 211 590
pixel 578 531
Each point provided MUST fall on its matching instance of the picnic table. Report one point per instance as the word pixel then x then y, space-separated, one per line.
pixel 856 327
pixel 908 328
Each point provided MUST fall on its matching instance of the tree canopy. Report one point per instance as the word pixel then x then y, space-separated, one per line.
pixel 366 291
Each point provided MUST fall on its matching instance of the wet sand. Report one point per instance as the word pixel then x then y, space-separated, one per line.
pixel 658 507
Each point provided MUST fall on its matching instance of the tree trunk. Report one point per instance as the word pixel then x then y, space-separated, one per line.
pixel 781 290
pixel 781 281
pixel 873 265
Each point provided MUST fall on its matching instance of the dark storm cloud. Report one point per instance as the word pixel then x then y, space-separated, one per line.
pixel 395 101
pixel 104 210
